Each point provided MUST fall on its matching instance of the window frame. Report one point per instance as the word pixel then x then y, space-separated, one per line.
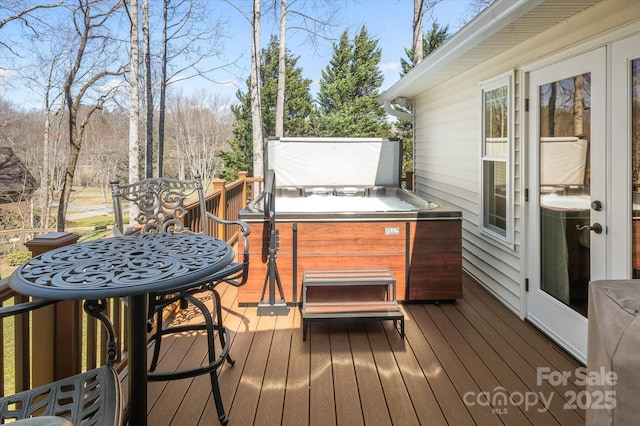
pixel 485 227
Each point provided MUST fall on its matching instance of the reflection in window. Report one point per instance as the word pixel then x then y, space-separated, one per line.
pixel 565 107
pixel 565 128
pixel 496 149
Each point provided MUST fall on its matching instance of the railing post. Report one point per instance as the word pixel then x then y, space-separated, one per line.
pixel 56 341
pixel 408 180
pixel 243 177
pixel 219 184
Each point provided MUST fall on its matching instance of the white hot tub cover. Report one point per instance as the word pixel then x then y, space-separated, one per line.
pixel 346 162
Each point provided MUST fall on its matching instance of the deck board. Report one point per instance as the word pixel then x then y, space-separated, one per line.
pixel 345 383
pixel 455 368
pixel 372 397
pixel 361 372
pixel 397 397
pixel 516 363
pixel 241 333
pixel 246 400
pixel 418 386
pixel 321 394
pixel 271 401
pixel 296 399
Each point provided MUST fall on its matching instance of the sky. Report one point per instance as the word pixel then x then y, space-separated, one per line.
pixel 388 21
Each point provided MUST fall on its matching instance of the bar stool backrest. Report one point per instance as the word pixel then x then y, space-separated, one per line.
pixel 161 204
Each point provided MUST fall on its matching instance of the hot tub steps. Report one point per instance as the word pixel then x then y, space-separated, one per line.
pixel 368 294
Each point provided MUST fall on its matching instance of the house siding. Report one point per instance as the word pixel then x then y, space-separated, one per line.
pixel 447 142
pixel 448 170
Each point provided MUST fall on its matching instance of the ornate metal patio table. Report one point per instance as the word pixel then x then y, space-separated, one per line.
pixel 130 266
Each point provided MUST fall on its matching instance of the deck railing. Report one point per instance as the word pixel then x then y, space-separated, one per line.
pixel 72 342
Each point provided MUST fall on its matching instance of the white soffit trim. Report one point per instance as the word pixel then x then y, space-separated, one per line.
pixel 502 25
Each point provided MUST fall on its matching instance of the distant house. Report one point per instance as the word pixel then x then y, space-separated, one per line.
pixel 528 120
pixel 16 189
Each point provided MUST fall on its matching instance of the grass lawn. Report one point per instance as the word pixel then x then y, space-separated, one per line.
pixel 90 195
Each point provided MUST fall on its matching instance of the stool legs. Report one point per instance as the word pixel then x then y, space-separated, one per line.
pixel 218 308
pixel 212 324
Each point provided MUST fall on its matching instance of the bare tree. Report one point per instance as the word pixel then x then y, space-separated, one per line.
pixel 420 7
pixel 282 51
pixel 578 106
pixel 163 87
pixel 148 86
pixel 106 140
pixel 315 27
pixel 256 102
pixel 21 11
pixel 553 94
pixel 200 125
pixel 50 99
pixel 134 101
pixel 45 77
pixel 473 9
pixel 187 32
pixel 418 31
pixel 254 86
pixel 94 61
pixel 12 10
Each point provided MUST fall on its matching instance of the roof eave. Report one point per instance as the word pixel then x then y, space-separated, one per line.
pixel 494 18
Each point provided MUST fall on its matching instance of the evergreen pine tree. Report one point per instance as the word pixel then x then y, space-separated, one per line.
pixel 298 100
pixel 336 85
pixel 349 89
pixel 297 118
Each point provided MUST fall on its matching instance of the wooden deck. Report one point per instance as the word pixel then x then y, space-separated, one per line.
pixel 459 364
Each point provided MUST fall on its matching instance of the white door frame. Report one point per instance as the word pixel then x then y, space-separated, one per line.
pixel 558 321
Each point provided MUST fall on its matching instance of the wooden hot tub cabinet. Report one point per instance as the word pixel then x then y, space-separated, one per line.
pixel 425 256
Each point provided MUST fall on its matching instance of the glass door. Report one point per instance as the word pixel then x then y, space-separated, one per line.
pixel 567 215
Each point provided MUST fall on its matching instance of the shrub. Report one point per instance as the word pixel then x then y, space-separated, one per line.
pixel 18 258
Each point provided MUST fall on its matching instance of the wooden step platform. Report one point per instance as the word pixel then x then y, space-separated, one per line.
pixel 359 306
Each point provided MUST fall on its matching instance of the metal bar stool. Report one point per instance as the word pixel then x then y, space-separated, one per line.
pixel 162 209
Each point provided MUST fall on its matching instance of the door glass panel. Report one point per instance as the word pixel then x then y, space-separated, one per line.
pixel 635 165
pixel 565 124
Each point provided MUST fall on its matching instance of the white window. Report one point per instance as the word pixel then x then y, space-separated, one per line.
pixel 496 214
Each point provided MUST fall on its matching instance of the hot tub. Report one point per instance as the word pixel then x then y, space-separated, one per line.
pixel 327 219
